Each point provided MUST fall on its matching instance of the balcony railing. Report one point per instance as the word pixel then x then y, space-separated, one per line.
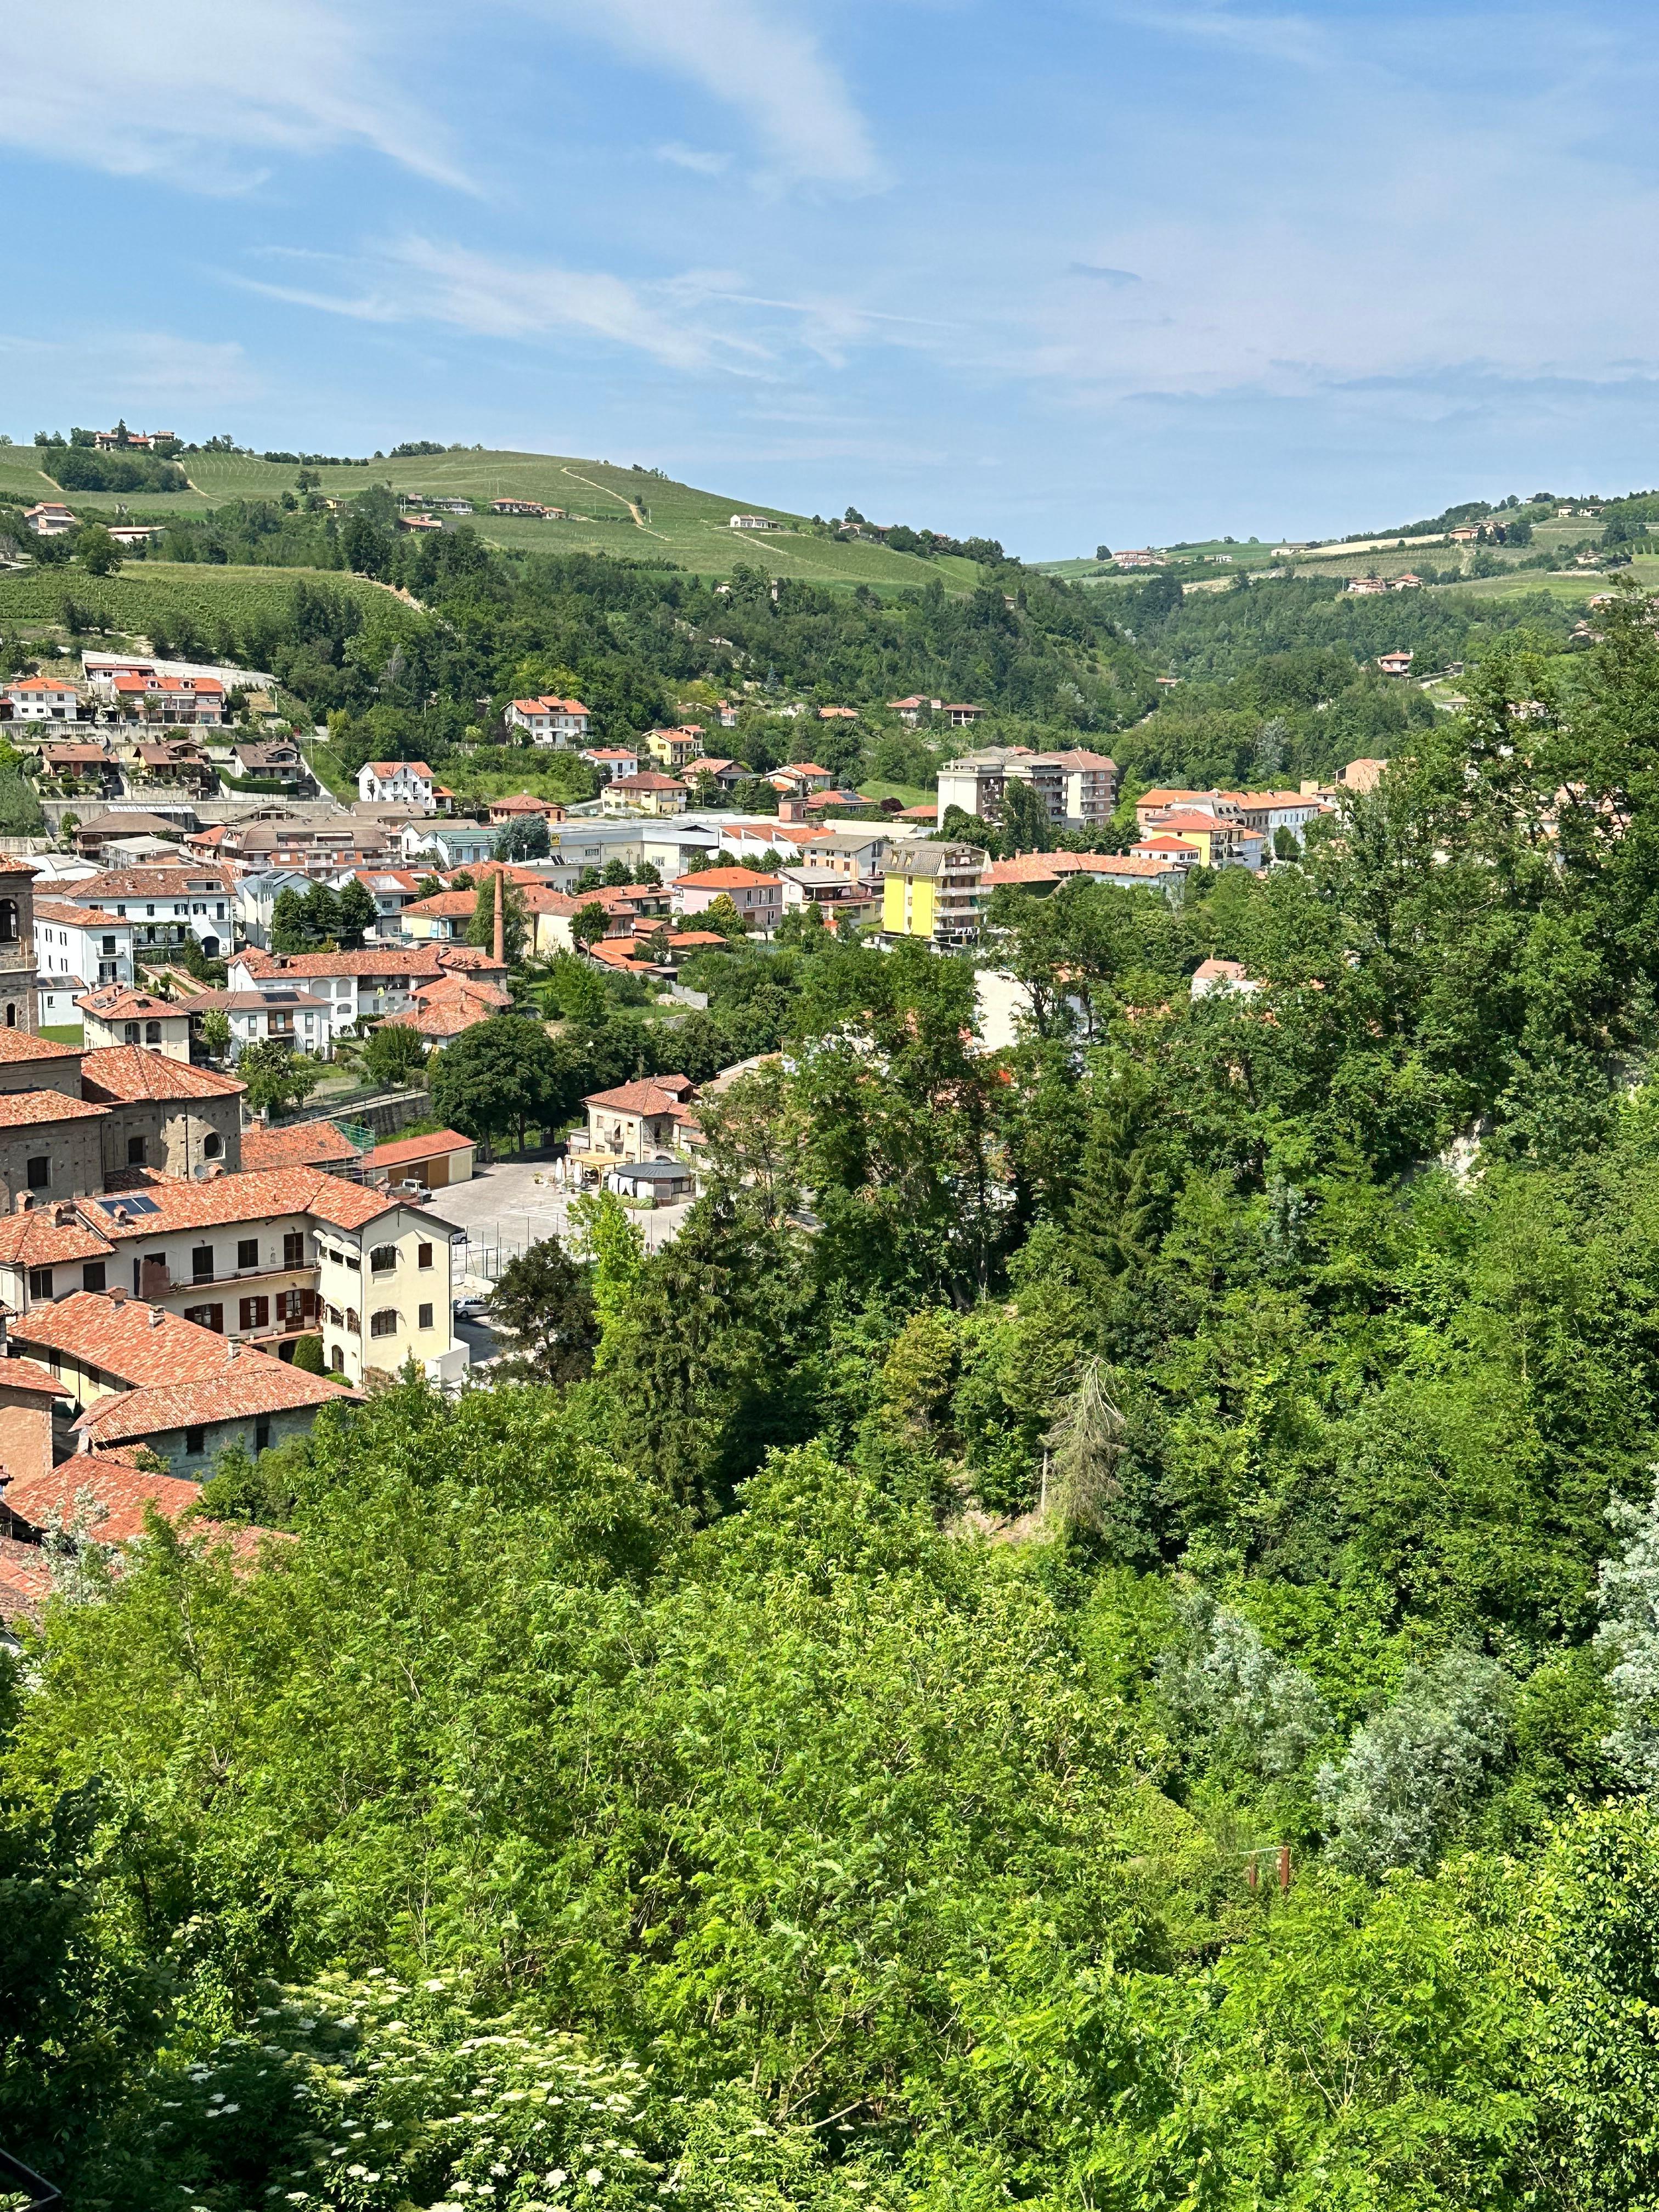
pixel 17 2179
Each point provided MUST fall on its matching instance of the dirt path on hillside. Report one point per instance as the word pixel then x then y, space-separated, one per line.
pixel 605 492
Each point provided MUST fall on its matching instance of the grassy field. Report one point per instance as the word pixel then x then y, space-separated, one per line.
pixel 609 510
pixel 168 592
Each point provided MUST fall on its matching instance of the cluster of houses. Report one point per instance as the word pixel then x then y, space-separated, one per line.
pixel 162 1259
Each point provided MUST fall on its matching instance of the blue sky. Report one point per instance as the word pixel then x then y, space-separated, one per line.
pixel 1061 272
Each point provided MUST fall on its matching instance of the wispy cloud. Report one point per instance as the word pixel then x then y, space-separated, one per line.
pixel 1118 279
pixel 419 280
pixel 197 92
pixel 756 56
pixel 698 159
pixel 153 368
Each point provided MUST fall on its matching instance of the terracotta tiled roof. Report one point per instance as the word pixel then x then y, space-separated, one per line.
pixel 469 960
pixel 137 1343
pixel 29 1375
pixel 643 1097
pixel 118 1002
pixel 682 940
pixel 40 1240
pixel 371 960
pixel 452 988
pixel 67 916
pixel 418 1148
pixel 443 906
pixel 304 1145
pixel 622 953
pixel 25 1582
pixel 248 1383
pixel 127 1071
pixel 114 1494
pixel 522 802
pixel 18 1044
pixel 647 779
pixel 385 768
pixel 27 1109
pixel 153 882
pixel 262 1195
pixel 728 879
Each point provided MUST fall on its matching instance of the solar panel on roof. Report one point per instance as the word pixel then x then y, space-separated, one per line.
pixel 119 1206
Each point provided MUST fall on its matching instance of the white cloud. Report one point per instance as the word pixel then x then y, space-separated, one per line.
pixel 696 158
pixel 752 55
pixel 419 280
pixel 197 91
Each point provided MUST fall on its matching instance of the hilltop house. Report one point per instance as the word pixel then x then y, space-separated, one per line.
pixel 549 721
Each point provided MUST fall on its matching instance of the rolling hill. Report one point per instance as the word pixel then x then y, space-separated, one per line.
pixel 625 511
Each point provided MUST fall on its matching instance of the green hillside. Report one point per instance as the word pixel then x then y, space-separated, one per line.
pixel 608 509
pixel 170 593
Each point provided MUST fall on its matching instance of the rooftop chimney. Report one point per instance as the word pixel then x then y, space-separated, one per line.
pixel 155 1317
pixel 118 1297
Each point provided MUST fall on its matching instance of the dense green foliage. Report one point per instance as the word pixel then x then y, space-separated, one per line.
pixel 846 1695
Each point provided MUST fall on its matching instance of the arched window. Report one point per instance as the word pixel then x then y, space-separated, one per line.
pixel 212 1145
pixel 383 1258
pixel 8 921
pixel 336 1359
pixel 384 1323
pixel 352 1328
pixel 152 1033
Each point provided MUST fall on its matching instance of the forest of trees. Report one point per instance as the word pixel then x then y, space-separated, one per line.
pixel 1087 1633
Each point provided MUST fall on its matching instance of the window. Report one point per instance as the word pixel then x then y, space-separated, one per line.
pixel 336 1359
pixel 291 1308
pixel 211 1317
pixel 109 946
pixel 212 1145
pixel 352 1328
pixel 247 1252
pixel 135 1152
pixel 130 1032
pixel 8 921
pixel 383 1258
pixel 195 1442
pixel 40 1173
pixel 384 1323
pixel 201 1263
pixel 40 1282
pixel 152 1033
pixel 423 1256
pixel 254 1313
pixel 294 1247
pixel 262 1436
pixel 426 1317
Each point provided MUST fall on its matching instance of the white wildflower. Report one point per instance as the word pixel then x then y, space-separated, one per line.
pixel 593 2177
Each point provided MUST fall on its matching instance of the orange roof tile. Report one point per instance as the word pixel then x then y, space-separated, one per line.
pixel 249 1383
pixel 27 1109
pixel 18 1044
pixel 418 1148
pixel 113 1494
pixel 38 1239
pixel 643 1097
pixel 304 1145
pixel 728 879
pixel 127 1071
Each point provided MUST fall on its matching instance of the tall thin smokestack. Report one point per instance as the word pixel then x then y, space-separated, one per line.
pixel 500 919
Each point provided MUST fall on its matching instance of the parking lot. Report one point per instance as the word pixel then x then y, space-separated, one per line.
pixel 515 1203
